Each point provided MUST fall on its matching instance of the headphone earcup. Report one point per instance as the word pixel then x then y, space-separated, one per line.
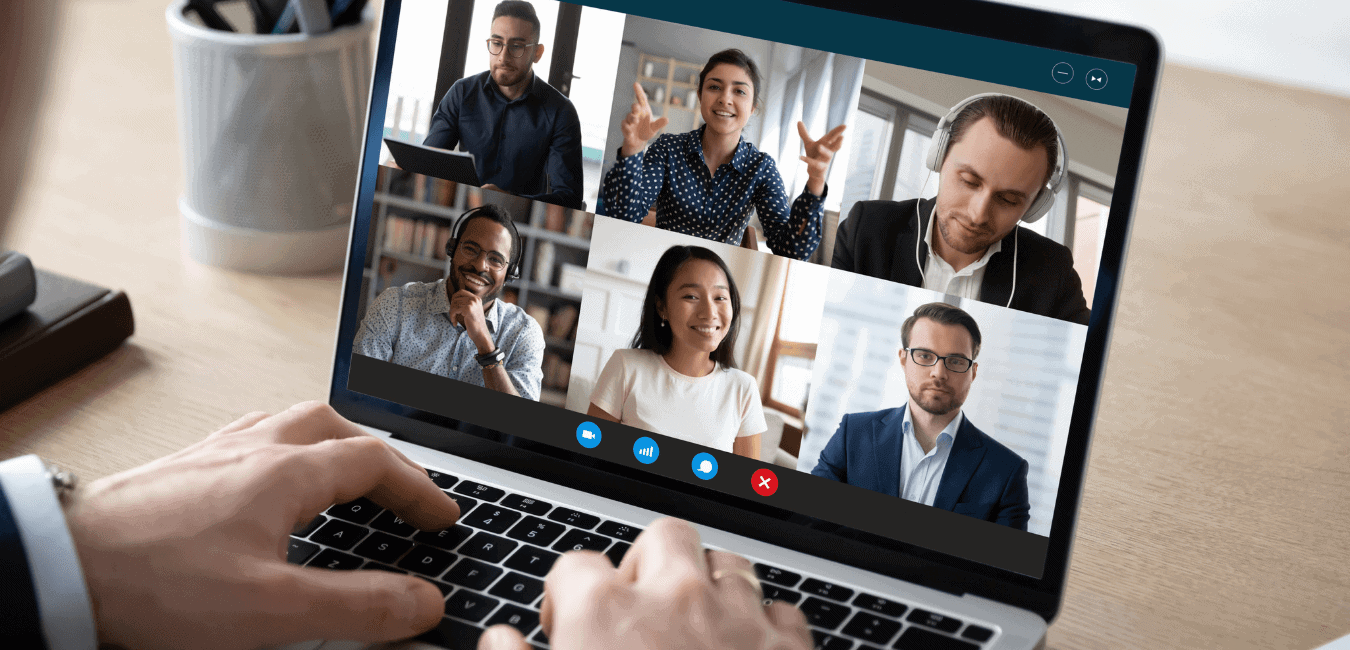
pixel 937 147
pixel 1040 206
pixel 450 247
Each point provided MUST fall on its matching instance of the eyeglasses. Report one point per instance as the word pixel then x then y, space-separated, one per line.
pixel 930 358
pixel 471 251
pixel 514 50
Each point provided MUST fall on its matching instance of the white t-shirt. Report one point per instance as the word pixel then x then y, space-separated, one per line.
pixel 642 390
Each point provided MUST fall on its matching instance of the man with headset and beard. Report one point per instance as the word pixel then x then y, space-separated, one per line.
pixel 1001 160
pixel 456 327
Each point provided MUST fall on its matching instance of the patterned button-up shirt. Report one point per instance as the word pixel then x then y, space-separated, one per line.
pixel 410 325
pixel 672 173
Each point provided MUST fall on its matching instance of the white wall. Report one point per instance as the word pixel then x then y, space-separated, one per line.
pixel 1303 43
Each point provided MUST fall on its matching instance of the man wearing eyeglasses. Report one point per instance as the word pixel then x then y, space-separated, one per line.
pixel 927 451
pixel 524 135
pixel 457 327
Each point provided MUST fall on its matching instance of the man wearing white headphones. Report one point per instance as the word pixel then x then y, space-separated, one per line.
pixel 1000 161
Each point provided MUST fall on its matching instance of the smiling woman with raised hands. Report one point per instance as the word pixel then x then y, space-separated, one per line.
pixel 705 182
pixel 680 378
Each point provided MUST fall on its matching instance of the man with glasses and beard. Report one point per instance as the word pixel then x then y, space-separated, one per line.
pixel 926 451
pixel 456 327
pixel 524 135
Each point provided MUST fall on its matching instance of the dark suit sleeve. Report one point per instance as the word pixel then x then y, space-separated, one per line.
pixel 833 463
pixel 1014 505
pixel 1070 304
pixel 844 239
pixel 444 132
pixel 564 161
pixel 20 623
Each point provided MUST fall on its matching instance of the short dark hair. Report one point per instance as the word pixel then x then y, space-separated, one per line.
pixel 651 336
pixel 739 59
pixel 941 312
pixel 1017 120
pixel 494 213
pixel 518 9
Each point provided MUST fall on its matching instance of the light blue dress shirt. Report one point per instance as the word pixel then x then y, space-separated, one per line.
pixel 920 472
pixel 410 325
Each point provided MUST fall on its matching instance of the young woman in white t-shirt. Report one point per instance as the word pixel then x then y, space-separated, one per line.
pixel 680 378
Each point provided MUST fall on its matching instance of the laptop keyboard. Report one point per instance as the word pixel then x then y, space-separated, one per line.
pixel 490 568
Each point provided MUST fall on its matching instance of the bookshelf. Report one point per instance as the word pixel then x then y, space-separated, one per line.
pixel 672 90
pixel 412 218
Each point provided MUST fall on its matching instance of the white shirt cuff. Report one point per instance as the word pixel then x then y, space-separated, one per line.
pixel 58 582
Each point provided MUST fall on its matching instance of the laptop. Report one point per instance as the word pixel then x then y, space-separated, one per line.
pixel 807 476
pixel 437 163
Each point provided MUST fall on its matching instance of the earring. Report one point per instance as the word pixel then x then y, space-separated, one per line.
pixel 664 323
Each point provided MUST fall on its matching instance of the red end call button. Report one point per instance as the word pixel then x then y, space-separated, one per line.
pixel 764 482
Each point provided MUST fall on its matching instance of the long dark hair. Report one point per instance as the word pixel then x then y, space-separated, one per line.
pixel 652 336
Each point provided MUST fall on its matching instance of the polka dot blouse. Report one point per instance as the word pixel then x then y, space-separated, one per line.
pixel 672 174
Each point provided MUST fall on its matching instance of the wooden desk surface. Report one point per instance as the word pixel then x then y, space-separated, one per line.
pixel 1217 506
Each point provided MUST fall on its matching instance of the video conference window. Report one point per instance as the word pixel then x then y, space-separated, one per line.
pixel 872 275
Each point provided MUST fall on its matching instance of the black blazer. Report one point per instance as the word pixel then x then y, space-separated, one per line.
pixel 878 239
pixel 20 622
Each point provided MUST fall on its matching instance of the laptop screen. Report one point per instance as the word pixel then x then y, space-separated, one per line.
pixel 840 266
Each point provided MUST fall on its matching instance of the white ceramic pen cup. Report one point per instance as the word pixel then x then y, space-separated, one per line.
pixel 270 128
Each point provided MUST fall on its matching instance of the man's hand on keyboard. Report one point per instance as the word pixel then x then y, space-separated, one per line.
pixel 667 593
pixel 190 550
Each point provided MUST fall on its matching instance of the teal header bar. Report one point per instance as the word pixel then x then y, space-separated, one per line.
pixel 887 41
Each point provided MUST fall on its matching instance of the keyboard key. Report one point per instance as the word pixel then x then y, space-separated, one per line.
pixel 338 534
pixel 580 540
pixel 574 518
pixel 360 511
pixel 376 566
pixel 870 627
pixel 479 491
pixel 825 641
pixel 469 606
pixel 427 560
pixel 537 531
pixel 522 589
pixel 518 617
pixel 917 638
pixel 827 590
pixel 392 524
pixel 879 605
pixel 383 547
pixel 453 634
pixel 336 560
pixel 447 539
pixel 442 480
pixel 774 592
pixel 527 505
pixel 824 615
pixel 312 526
pixel 617 551
pixel 539 637
pixel 466 504
pixel 445 589
pixel 488 547
pixel 619 531
pixel 977 633
pixel 494 519
pixel 777 576
pixel 935 621
pixel 473 574
pixel 299 551
pixel 531 560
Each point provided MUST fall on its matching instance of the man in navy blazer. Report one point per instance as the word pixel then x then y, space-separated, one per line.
pixel 927 451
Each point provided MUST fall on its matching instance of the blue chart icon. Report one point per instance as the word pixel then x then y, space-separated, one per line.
pixel 588 435
pixel 705 466
pixel 646 450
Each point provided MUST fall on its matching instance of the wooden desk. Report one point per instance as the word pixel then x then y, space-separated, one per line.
pixel 1217 507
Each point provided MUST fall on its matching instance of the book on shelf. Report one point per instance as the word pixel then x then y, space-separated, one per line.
pixel 421 237
pixel 543 263
pixel 562 323
pixel 557 372
pixel 540 314
pixel 580 224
